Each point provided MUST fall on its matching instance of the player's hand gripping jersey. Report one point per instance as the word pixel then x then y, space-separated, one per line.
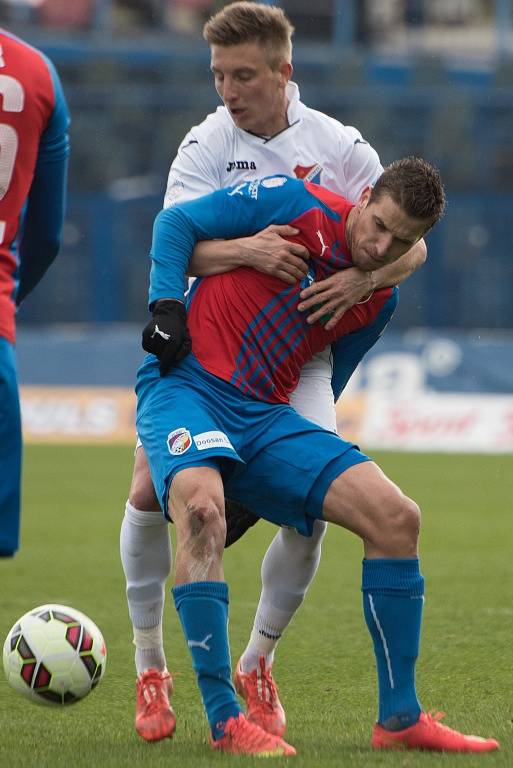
pixel 34 148
pixel 245 326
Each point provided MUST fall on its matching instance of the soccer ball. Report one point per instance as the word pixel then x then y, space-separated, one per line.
pixel 54 655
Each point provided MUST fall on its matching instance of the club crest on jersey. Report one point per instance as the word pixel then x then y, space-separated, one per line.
pixel 241 165
pixel 309 173
pixel 179 441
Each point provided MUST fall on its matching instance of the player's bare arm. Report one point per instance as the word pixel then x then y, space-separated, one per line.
pixel 344 289
pixel 267 252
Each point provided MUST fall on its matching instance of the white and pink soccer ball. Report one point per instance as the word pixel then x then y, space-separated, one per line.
pixel 54 655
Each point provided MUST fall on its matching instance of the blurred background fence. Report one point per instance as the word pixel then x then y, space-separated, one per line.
pixel 428 77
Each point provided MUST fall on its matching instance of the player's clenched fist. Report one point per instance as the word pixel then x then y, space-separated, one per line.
pixel 166 336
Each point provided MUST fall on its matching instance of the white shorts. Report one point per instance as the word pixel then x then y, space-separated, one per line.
pixel 313 397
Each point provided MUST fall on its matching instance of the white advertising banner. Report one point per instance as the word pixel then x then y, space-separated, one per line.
pixel 432 421
pixel 78 414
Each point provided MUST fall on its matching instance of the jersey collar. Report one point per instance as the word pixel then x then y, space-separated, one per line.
pixel 294 108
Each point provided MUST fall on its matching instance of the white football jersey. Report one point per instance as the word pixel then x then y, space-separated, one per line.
pixel 314 147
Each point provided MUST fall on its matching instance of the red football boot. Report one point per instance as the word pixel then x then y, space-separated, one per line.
pixel 260 693
pixel 242 737
pixel 429 734
pixel 154 716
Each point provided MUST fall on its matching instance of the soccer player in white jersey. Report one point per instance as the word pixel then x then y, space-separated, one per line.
pixel 262 128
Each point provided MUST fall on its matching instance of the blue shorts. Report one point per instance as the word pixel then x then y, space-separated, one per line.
pixel 10 451
pixel 274 461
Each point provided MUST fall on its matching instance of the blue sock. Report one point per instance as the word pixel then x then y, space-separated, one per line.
pixel 393 598
pixel 203 610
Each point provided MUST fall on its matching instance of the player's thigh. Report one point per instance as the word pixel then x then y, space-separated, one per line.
pixel 10 418
pixel 10 449
pixel 313 396
pixel 142 493
pixel 364 500
pixel 287 476
pixel 182 429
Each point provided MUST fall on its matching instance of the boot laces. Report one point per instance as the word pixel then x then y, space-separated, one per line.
pixel 434 719
pixel 265 686
pixel 153 690
pixel 249 734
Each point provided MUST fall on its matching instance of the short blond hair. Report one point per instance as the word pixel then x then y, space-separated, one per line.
pixel 246 22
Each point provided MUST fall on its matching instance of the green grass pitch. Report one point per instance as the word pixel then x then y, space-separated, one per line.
pixel 73 503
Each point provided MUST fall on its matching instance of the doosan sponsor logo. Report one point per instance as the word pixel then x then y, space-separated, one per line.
pixel 213 439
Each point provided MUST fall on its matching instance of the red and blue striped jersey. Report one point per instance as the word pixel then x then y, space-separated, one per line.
pixel 245 325
pixel 33 151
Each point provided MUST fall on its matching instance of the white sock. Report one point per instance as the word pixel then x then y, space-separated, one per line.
pixel 146 556
pixel 288 569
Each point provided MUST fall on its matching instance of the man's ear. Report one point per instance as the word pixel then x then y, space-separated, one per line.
pixel 286 70
pixel 364 198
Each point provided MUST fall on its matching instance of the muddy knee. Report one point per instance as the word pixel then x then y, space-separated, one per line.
pixel 203 530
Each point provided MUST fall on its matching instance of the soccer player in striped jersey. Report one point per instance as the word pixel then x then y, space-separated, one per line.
pixel 34 148
pixel 217 421
pixel 262 128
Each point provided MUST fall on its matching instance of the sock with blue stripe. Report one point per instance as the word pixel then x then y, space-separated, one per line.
pixel 203 610
pixel 393 598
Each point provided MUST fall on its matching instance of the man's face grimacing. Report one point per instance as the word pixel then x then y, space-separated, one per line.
pixel 252 91
pixel 381 231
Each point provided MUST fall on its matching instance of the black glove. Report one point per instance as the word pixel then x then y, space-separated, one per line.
pixel 166 336
pixel 238 520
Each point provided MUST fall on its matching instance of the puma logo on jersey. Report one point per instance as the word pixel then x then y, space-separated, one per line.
pixel 323 244
pixel 241 165
pixel 158 332
pixel 200 643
